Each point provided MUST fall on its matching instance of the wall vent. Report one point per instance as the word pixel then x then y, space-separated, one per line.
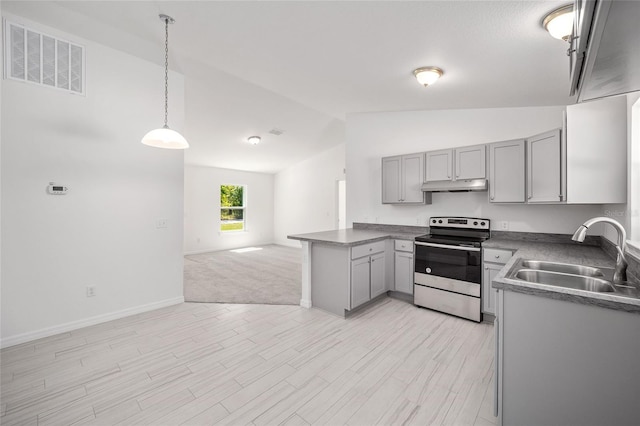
pixel 34 57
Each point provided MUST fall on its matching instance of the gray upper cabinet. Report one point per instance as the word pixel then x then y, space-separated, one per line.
pixel 391 169
pixel 544 166
pixel 439 165
pixel 402 177
pixel 507 172
pixel 456 164
pixel 470 162
pixel 596 152
pixel 604 52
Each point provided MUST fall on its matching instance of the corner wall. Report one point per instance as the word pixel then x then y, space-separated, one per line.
pixel 371 136
pixel 103 232
pixel 202 209
pixel 306 195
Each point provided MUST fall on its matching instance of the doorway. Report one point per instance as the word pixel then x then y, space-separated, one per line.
pixel 341 202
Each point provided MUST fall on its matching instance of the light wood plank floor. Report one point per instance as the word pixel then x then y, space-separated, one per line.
pixel 200 364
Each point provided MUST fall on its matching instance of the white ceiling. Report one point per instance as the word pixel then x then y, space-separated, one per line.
pixel 301 66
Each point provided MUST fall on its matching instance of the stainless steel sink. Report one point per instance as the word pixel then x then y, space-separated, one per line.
pixel 564 268
pixel 559 279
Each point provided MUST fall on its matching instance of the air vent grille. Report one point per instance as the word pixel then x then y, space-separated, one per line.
pixel 41 59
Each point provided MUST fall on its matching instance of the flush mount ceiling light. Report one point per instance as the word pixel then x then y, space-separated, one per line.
pixel 427 75
pixel 559 22
pixel 165 137
pixel 254 140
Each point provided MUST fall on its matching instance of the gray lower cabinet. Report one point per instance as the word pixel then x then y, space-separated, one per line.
pixel 493 260
pixel 360 279
pixel 345 277
pixel 377 272
pixel 368 273
pixel 564 363
pixel 403 266
pixel 488 294
pixel 404 272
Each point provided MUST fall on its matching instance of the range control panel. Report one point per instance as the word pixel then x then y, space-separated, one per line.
pixel 459 222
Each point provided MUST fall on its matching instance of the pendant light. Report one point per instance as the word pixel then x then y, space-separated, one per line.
pixel 165 137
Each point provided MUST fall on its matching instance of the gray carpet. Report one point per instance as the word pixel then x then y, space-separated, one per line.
pixel 271 276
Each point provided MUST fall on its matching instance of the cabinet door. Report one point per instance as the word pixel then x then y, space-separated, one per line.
pixel 391 167
pixel 506 172
pixel 412 178
pixel 378 281
pixel 544 168
pixel 438 165
pixel 489 294
pixel 596 140
pixel 360 278
pixel 404 272
pixel 470 162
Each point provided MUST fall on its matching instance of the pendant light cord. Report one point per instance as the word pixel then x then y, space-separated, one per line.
pixel 166 71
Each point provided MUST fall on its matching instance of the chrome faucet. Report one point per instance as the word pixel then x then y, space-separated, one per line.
pixel 620 274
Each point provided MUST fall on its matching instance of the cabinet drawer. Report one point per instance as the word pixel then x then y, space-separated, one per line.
pixel 367 249
pixel 404 245
pixel 497 255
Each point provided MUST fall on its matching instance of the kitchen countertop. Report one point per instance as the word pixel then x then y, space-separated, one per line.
pixel 575 253
pixel 352 237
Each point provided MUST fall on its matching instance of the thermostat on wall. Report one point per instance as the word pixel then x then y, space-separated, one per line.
pixel 56 189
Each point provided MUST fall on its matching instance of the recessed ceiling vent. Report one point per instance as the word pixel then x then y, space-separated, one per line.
pixel 276 131
pixel 35 57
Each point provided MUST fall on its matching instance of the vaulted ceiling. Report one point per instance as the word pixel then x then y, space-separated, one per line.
pixel 302 66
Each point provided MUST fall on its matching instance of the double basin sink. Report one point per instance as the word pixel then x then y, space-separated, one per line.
pixel 579 277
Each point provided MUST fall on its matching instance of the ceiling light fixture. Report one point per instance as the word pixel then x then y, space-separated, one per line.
pixel 253 140
pixel 559 22
pixel 165 137
pixel 427 75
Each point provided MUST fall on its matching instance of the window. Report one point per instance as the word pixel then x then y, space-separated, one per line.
pixel 232 208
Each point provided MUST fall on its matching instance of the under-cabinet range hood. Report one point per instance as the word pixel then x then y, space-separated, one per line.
pixel 464 185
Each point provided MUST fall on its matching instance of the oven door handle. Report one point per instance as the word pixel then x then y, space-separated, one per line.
pixel 445 246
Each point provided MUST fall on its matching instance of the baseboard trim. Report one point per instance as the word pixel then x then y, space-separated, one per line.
pixel 305 303
pixel 74 325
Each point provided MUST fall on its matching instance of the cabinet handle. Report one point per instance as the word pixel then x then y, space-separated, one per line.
pixel 492 197
pixel 529 197
pixel 497 256
pixel 486 268
pixel 371 249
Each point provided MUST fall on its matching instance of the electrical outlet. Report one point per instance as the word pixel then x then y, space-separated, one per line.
pixel 161 223
pixel 91 291
pixel 503 225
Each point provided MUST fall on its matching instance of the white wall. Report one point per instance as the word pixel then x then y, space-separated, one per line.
pixel 103 232
pixel 306 195
pixel 202 209
pixel 371 136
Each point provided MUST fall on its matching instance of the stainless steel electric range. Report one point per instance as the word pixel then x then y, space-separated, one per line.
pixel 448 266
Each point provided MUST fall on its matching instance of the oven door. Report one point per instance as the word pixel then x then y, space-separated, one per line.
pixel 458 263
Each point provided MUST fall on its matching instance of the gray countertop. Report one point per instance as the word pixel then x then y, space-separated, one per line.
pixel 565 253
pixel 352 237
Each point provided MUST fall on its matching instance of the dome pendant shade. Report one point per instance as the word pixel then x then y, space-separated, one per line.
pixel 165 138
